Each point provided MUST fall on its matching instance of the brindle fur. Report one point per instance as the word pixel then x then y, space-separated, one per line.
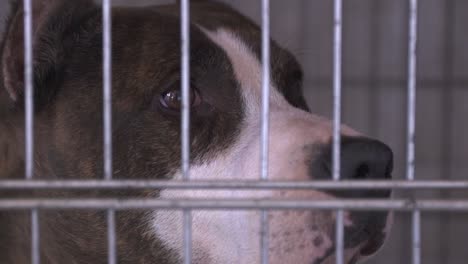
pixel 68 116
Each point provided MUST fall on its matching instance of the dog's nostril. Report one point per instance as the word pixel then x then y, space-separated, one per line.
pixel 362 172
pixel 365 159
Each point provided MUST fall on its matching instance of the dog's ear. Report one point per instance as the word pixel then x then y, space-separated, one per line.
pixel 52 21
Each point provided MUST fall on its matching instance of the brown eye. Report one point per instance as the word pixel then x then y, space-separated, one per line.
pixel 172 99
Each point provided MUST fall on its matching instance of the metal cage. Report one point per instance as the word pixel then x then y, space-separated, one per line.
pixel 111 205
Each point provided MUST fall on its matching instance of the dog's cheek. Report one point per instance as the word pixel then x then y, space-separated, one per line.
pixel 147 147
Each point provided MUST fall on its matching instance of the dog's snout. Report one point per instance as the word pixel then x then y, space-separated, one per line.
pixel 365 159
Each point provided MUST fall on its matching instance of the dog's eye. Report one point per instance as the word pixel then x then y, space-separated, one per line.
pixel 172 99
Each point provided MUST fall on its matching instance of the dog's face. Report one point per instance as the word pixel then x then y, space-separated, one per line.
pixel 225 130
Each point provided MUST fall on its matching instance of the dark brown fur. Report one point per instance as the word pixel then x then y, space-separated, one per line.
pixel 68 116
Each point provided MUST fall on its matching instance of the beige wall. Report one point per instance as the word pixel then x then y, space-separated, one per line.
pixel 374 65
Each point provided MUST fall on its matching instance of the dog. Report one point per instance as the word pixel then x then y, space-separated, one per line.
pixel 225 89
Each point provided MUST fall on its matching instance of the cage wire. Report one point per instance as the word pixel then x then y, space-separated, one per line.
pixel 414 206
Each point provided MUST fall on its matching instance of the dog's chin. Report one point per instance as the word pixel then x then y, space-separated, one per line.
pixel 373 244
pixel 359 253
pixel 376 241
pixel 365 249
pixel 351 256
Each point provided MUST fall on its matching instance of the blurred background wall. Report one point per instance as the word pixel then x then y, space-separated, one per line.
pixel 375 39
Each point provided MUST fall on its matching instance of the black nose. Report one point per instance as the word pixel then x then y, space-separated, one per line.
pixel 361 159
pixel 365 159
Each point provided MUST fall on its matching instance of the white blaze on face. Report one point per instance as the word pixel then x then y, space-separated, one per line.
pixel 233 236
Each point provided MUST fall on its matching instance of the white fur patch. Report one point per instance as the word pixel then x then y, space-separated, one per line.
pixel 233 236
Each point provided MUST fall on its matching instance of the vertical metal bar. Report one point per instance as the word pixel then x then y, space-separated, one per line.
pixel 264 157
pixel 187 221
pixel 264 230
pixel 107 73
pixel 29 122
pixel 29 89
pixel 185 123
pixel 412 87
pixel 412 50
pixel 337 89
pixel 111 238
pixel 337 78
pixel 35 237
pixel 416 236
pixel 339 237
pixel 265 87
pixel 107 104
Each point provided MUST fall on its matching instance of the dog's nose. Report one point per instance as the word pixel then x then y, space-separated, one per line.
pixel 361 159
pixel 365 159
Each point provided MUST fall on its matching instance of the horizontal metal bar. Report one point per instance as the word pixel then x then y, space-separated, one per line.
pixel 425 83
pixel 156 184
pixel 235 204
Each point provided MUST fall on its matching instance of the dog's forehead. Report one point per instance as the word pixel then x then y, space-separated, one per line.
pixel 246 66
pixel 220 39
pixel 228 28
